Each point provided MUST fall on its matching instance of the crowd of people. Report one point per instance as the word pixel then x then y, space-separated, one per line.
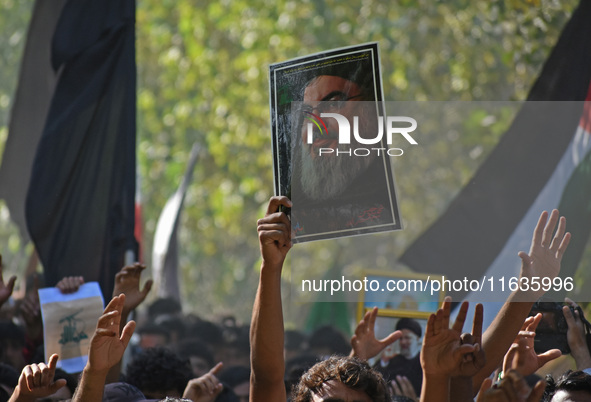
pixel 170 356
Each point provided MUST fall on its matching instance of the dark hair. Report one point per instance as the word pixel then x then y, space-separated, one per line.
pixel 235 375
pixel 330 338
pixel 154 329
pixel 195 347
pixel 350 371
pixel 164 305
pixel 295 368
pixel 569 381
pixel 11 336
pixel 401 398
pixel 158 370
pixel 207 331
pixel 9 331
pixel 8 375
pixel 295 340
pixel 4 395
pixel 172 324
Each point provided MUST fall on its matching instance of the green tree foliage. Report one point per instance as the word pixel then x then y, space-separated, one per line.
pixel 14 20
pixel 203 77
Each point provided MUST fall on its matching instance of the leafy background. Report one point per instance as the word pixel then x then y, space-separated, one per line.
pixel 202 77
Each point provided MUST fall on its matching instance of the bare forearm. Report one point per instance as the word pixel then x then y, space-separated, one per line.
pixel 91 386
pixel 582 357
pixel 461 389
pixel 499 336
pixel 435 388
pixel 266 336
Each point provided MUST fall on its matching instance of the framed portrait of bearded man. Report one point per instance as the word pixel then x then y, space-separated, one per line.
pixel 329 152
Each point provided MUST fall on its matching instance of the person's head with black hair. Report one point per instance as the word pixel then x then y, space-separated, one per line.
pixel 571 386
pixel 12 341
pixel 295 367
pixel 199 354
pixel 153 335
pixel 402 398
pixel 164 306
pixel 122 392
pixel 340 377
pixel 295 342
pixel 175 326
pixel 327 341
pixel 8 380
pixel 238 379
pixel 237 348
pixel 209 332
pixel 159 372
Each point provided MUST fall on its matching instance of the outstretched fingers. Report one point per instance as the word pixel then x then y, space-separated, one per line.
pixel 109 321
pixel 446 308
pixel 111 317
pixel 539 230
pixel 533 325
pixel 461 317
pixel 549 228
pixel 147 287
pixel 115 303
pixel 561 239
pixel 371 318
pixel 557 239
pixel 563 245
pixel 390 339
pixel 51 366
pixel 432 327
pixel 364 325
pixel 549 356
pixel 477 324
pixel 440 320
pixel 217 368
pixel 529 320
pixel 437 322
pixel 127 333
pixel 544 229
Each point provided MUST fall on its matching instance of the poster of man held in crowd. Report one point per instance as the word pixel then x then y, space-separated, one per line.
pixel 329 156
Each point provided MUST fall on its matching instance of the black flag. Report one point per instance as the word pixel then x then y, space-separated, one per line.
pixel 80 202
pixel 540 163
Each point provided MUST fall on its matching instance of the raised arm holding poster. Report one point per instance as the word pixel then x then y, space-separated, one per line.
pixel 338 186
